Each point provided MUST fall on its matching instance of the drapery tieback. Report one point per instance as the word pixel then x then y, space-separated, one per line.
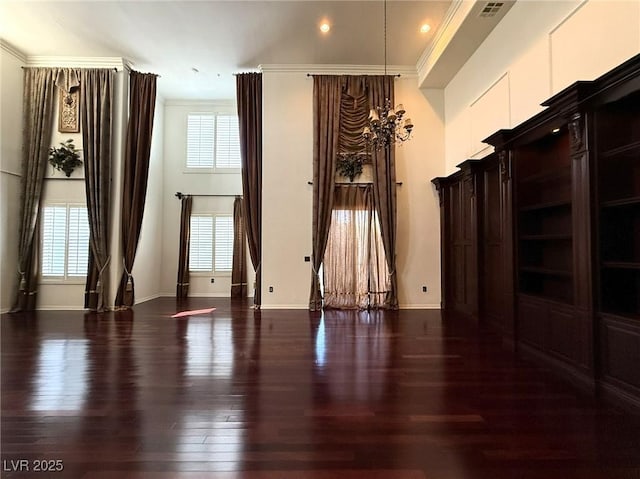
pixel 100 272
pixel 129 285
pixel 23 281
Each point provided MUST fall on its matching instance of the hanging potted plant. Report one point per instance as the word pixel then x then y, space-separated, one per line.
pixel 349 165
pixel 65 158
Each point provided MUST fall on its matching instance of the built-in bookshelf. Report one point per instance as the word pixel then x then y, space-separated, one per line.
pixel 618 166
pixel 558 203
pixel 544 240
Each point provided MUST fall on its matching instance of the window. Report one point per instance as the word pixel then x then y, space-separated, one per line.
pixel 65 241
pixel 211 243
pixel 213 141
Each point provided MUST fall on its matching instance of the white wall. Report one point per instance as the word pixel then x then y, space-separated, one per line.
pixel 10 154
pixel 417 162
pixel 538 49
pixel 176 178
pixel 147 268
pixel 287 198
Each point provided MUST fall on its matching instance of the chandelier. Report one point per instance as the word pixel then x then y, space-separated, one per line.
pixel 386 125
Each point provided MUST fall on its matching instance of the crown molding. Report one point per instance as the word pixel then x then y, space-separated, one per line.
pixel 79 62
pixel 13 51
pixel 456 14
pixel 403 70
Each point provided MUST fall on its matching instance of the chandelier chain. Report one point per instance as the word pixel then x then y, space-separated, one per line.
pixel 387 124
pixel 385 37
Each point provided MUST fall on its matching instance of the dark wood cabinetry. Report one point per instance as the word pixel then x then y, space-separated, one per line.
pixel 616 142
pixel 459 232
pixel 556 214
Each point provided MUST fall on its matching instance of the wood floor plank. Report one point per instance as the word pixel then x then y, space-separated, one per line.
pixel 245 394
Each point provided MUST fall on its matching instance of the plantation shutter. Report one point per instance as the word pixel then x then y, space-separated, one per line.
pixel 54 232
pixel 227 142
pixel 78 246
pixel 200 140
pixel 224 243
pixel 201 244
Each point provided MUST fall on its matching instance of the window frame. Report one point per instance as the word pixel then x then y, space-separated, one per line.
pixel 65 278
pixel 213 270
pixel 214 168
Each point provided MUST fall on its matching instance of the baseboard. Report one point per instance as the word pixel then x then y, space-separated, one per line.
pixel 60 308
pixel 284 306
pixel 148 298
pixel 621 398
pixel 570 373
pixel 420 306
pixel 202 295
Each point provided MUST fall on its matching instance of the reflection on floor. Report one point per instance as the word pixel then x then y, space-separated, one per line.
pixel 238 393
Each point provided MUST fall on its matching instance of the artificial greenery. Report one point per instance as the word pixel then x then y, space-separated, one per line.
pixel 349 165
pixel 65 158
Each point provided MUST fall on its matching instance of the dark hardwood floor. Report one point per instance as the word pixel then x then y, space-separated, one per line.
pixel 291 395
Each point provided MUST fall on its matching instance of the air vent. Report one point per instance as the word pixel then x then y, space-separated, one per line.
pixel 491 9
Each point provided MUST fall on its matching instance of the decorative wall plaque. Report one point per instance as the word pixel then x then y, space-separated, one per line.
pixel 69 112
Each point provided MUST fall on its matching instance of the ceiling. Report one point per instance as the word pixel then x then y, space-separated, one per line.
pixel 219 38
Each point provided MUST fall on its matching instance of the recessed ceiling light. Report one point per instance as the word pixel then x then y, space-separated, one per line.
pixel 325 27
pixel 555 130
pixel 195 70
pixel 425 28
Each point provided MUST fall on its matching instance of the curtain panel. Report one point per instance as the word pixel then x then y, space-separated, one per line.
pixel 249 98
pixel 327 95
pixel 355 270
pixel 239 261
pixel 182 285
pixel 38 107
pixel 142 102
pixel 96 103
pixel 384 185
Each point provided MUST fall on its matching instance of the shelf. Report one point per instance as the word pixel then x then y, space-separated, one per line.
pixel 629 148
pixel 619 315
pixel 621 265
pixel 545 206
pixel 546 271
pixel 542 297
pixel 547 237
pixel 632 200
pixel 563 173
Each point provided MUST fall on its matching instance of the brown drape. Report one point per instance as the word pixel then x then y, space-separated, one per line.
pixel 182 286
pixel 327 94
pixel 354 113
pixel 96 99
pixel 142 103
pixel 239 263
pixel 249 97
pixel 38 104
pixel 354 265
pixel 384 185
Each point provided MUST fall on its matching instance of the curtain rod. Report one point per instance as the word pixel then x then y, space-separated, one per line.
pixel 180 195
pixel 399 183
pixel 397 75
pixel 79 68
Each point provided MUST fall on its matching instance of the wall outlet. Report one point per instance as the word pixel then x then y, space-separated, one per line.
pixel 307 259
pixel 424 289
pixel 213 280
pixel 271 289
